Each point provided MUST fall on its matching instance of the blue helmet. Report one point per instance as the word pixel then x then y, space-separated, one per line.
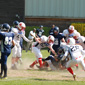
pixel 15 23
pixel 5 26
pixel 56 29
pixel 61 50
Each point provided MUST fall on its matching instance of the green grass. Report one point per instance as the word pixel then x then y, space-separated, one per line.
pixel 27 81
pixel 37 77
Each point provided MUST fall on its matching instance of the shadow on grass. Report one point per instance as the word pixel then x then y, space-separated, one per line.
pixel 38 79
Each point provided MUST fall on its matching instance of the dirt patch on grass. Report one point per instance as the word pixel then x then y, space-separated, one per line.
pixel 22 72
pixel 47 75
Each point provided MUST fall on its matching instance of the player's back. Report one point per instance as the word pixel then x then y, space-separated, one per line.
pixel 6 41
pixel 75 50
pixel 81 41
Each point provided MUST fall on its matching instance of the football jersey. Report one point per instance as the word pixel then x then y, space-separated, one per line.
pixel 44 43
pixel 39 32
pixel 6 41
pixel 57 40
pixel 67 35
pixel 75 51
pixel 19 35
pixel 81 41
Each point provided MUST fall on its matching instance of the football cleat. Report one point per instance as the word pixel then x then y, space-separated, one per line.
pixel 4 78
pixel 74 76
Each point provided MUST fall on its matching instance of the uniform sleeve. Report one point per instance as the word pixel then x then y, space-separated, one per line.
pixel 65 55
pixel 1 36
pixel 13 35
pixel 62 36
pixel 24 37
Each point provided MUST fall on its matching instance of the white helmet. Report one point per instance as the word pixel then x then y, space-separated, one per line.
pixel 65 32
pixel 50 39
pixel 71 41
pixel 44 38
pixel 71 29
pixel 21 26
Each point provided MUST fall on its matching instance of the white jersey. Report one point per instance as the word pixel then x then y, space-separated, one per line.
pixel 43 44
pixel 72 50
pixel 77 56
pixel 67 35
pixel 30 36
pixel 18 35
pixel 75 51
pixel 81 41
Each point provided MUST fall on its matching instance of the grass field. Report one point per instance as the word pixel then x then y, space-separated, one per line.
pixel 25 76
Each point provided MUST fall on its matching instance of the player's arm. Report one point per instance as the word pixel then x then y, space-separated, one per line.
pixel 38 40
pixel 24 37
pixel 63 40
pixel 55 55
pixel 13 43
pixel 65 55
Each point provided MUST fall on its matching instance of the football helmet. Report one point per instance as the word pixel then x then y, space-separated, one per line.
pixel 50 39
pixel 56 29
pixel 21 26
pixel 65 32
pixel 5 26
pixel 60 50
pixel 71 41
pixel 71 29
pixel 15 23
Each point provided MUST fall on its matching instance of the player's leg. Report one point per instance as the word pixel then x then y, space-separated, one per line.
pixel 38 55
pixel 51 65
pixel 81 62
pixel 4 63
pixel 18 55
pixel 34 63
pixel 2 67
pixel 0 60
pixel 14 52
pixel 34 50
pixel 69 64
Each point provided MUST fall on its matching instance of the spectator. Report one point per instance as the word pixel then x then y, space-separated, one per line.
pixel 40 31
pixel 51 30
pixel 31 36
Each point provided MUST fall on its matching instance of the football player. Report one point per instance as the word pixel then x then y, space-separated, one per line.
pixel 42 43
pixel 58 38
pixel 6 38
pixel 16 51
pixel 69 32
pixel 74 53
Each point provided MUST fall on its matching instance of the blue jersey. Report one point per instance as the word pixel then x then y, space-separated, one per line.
pixel 58 39
pixel 6 41
pixel 39 32
pixel 51 31
pixel 57 42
